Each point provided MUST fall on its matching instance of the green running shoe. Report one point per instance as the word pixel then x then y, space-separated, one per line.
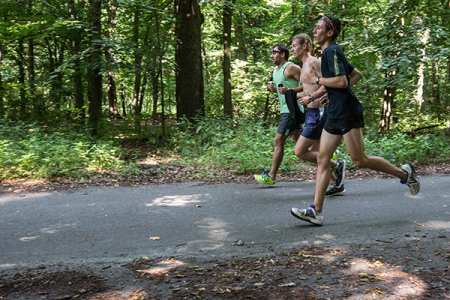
pixel 264 178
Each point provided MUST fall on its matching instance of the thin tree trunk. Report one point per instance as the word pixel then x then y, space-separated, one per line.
pixel 60 75
pixel 155 69
pixel 155 90
pixel 56 82
pixel 137 68
pixel 77 72
pixel 21 73
pixel 226 67
pixel 124 107
pixel 421 70
pixel 94 66
pixel 51 68
pixel 445 20
pixel 2 90
pixel 143 89
pixel 77 78
pixel 111 60
pixel 145 66
pixel 163 104
pixel 31 79
pixel 37 108
pixel 435 86
pixel 189 76
pixel 388 100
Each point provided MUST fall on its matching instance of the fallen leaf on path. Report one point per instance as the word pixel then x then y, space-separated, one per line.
pixel 289 284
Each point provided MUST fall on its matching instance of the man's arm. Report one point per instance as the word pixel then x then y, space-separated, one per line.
pixel 335 61
pixel 314 96
pixel 292 71
pixel 355 76
pixel 339 82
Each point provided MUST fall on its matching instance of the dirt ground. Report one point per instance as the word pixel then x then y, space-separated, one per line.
pixel 158 171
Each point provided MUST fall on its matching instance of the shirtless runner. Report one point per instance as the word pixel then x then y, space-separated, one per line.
pixel 307 145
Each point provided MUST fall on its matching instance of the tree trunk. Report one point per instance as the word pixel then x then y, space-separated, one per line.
pixel 145 66
pixel 51 68
pixel 189 75
pixel 31 77
pixel 163 104
pixel 77 78
pixel 226 66
pixel 111 60
pixel 137 67
pixel 94 66
pixel 56 58
pixel 445 20
pixel 155 90
pixel 77 72
pixel 122 98
pixel 37 107
pixel 2 90
pixel 60 75
pixel 388 100
pixel 143 88
pixel 156 67
pixel 435 86
pixel 21 73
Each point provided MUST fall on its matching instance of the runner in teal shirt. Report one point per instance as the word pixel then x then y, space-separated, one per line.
pixel 286 75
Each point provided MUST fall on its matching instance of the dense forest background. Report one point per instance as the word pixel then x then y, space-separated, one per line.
pixel 143 64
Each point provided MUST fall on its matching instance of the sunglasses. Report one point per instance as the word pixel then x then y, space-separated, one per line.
pixel 276 51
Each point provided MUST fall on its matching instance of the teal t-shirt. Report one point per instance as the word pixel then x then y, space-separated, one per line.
pixel 279 78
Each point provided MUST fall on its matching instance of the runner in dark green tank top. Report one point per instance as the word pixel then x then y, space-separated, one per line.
pixel 286 75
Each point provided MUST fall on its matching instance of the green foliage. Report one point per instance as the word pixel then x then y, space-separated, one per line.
pixel 239 146
pixel 28 151
pixel 407 39
pixel 399 147
pixel 246 146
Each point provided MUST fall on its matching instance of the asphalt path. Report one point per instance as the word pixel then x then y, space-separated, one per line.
pixel 209 221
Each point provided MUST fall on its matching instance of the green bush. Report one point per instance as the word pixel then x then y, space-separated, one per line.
pixel 241 146
pixel 28 151
pixel 246 146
